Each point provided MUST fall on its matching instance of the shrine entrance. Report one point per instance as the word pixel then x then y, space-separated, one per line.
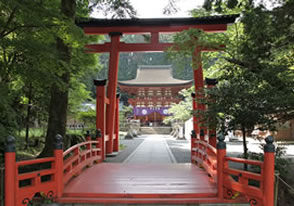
pixel 107 104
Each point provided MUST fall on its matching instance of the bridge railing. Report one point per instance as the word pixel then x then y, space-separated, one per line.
pixel 46 176
pixel 257 185
pixel 80 156
pixel 245 182
pixel 205 155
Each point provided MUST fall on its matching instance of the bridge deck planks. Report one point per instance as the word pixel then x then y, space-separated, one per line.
pixel 141 181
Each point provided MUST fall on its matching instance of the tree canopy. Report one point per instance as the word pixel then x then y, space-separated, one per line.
pixel 255 71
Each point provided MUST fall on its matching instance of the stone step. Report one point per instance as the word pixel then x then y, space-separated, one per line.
pixel 155 130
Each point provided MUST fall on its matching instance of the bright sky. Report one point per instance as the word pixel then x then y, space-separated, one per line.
pixel 154 8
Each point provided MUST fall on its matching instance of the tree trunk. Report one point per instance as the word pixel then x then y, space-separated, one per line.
pixel 28 117
pixel 59 95
pixel 244 147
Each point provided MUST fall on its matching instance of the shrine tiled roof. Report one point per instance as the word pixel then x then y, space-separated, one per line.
pixel 155 75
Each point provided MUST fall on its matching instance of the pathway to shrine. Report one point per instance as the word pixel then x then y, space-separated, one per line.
pixel 154 149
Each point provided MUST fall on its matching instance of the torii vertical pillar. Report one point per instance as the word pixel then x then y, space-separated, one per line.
pixel 194 106
pixel 111 90
pixel 116 128
pixel 211 130
pixel 198 83
pixel 100 111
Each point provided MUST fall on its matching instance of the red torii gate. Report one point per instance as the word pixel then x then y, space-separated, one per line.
pixel 117 27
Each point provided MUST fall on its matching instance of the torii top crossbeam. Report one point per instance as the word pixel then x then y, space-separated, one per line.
pixel 151 26
pixel 133 26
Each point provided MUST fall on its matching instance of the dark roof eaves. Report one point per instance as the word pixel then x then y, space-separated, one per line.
pixel 93 22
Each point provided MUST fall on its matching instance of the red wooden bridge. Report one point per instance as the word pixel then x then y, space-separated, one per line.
pixel 78 175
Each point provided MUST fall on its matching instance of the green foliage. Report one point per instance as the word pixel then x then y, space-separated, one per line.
pixel 227 6
pixel 88 118
pixel 114 8
pixel 183 110
pixel 256 88
pixel 191 40
pixel 27 27
pixel 282 164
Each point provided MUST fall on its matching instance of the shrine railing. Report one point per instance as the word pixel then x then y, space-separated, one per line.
pixel 255 185
pixel 46 176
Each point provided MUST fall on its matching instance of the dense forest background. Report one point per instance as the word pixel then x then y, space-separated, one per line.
pixel 46 76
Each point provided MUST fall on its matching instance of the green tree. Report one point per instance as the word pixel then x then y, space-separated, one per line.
pixel 65 47
pixel 24 32
pixel 256 88
pixel 255 70
pixel 42 59
pixel 183 110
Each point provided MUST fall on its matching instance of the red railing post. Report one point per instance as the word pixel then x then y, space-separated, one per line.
pixel 116 127
pixel 100 112
pixel 221 153
pixel 58 154
pixel 269 171
pixel 10 170
pixel 193 138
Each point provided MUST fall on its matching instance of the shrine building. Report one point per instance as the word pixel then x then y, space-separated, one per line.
pixel 152 93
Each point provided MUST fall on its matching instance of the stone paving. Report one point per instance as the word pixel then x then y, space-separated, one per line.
pixel 129 146
pixel 153 149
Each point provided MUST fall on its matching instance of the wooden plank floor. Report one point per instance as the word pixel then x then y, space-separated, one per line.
pixel 118 180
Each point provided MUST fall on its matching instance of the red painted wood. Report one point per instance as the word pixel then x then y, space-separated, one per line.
pixel 245 161
pixel 35 161
pixel 165 201
pixel 269 178
pixel 116 128
pixel 10 180
pixel 154 46
pixel 100 116
pixel 129 47
pixel 22 193
pixel 58 166
pixel 126 201
pixel 111 91
pixel 212 129
pixel 198 82
pixel 77 158
pixel 148 29
pixel 221 153
pixel 154 37
pixel 195 125
pixel 142 181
